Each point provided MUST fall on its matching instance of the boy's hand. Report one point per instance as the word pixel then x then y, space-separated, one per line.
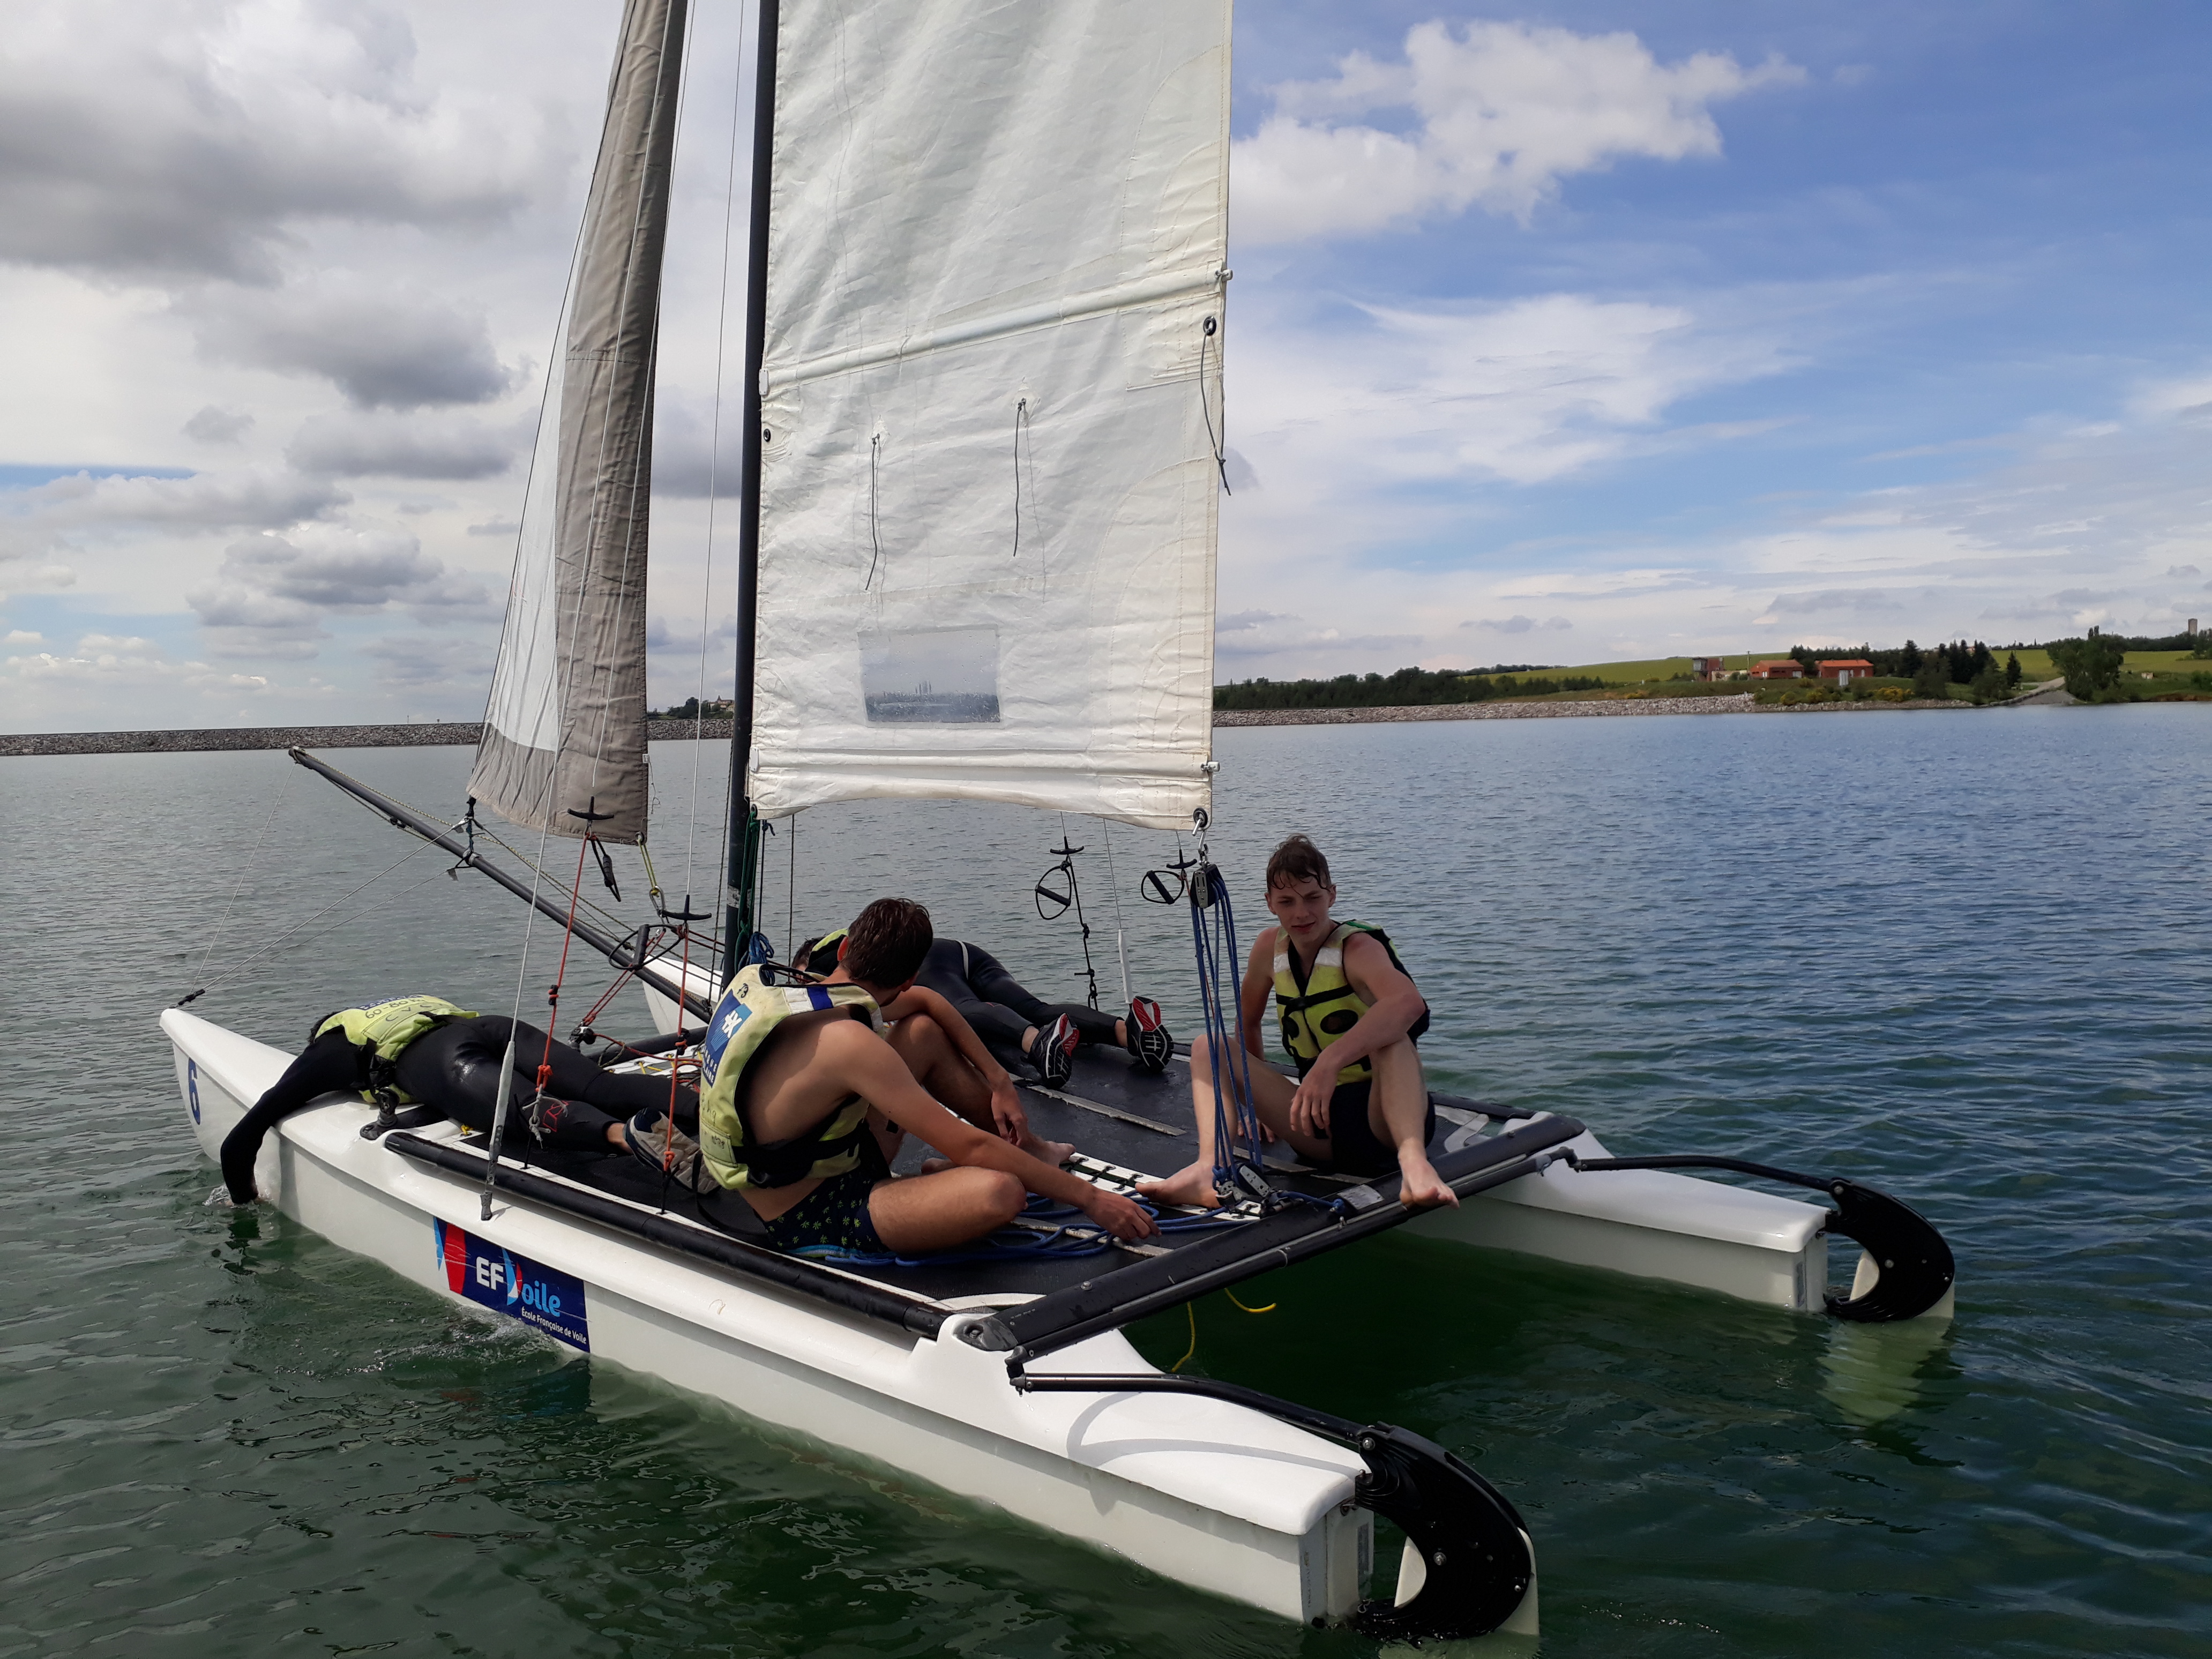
pixel 1118 1215
pixel 1006 1110
pixel 1309 1105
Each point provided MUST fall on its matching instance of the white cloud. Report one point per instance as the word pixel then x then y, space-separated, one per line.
pixel 272 594
pixel 383 445
pixel 1522 393
pixel 217 426
pixel 1501 112
pixel 384 345
pixel 1256 633
pixel 1517 623
pixel 156 136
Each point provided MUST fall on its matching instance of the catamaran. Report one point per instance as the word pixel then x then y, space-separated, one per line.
pixel 981 462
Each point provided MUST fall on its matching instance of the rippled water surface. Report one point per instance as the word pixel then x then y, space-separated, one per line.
pixel 1961 956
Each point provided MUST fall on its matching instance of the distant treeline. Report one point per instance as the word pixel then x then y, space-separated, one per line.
pixel 1960 660
pixel 1407 688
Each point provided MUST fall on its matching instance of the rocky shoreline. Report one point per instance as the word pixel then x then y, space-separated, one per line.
pixel 460 733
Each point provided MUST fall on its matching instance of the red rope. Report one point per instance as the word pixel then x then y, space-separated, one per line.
pixel 560 975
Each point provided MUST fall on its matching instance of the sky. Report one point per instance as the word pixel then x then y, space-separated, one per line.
pixel 1560 334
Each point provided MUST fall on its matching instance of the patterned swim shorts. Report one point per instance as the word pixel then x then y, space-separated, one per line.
pixel 832 1219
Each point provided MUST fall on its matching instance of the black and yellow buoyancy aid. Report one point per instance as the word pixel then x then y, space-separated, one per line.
pixel 1320 1006
pixel 746 1017
pixel 818 956
pixel 380 1033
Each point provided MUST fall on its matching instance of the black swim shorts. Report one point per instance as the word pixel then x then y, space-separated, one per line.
pixel 1354 1149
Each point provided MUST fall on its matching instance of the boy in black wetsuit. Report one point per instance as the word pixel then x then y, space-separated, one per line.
pixel 1001 1009
pixel 455 1066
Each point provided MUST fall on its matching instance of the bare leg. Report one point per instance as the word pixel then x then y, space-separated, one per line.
pixel 938 1067
pixel 1398 1111
pixel 937 1212
pixel 1193 1184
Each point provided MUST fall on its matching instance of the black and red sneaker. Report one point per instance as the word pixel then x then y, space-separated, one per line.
pixel 1053 1052
pixel 1148 1038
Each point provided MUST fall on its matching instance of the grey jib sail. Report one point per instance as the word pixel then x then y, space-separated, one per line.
pixel 565 727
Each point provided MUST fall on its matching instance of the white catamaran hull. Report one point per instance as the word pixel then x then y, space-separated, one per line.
pixel 1213 1495
pixel 1647 1223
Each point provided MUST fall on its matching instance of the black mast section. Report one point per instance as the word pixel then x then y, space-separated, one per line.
pixel 738 922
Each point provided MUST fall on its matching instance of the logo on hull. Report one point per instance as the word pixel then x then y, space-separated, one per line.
pixel 538 1296
pixel 192 1087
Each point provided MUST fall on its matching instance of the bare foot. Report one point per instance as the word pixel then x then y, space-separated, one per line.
pixel 1420 1188
pixel 935 1165
pixel 1192 1185
pixel 1055 1153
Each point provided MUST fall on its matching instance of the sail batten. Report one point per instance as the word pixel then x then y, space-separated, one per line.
pixel 990 383
pixel 565 730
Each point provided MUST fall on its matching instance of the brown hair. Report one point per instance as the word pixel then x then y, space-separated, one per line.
pixel 886 943
pixel 1296 860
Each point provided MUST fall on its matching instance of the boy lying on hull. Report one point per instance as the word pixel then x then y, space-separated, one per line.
pixel 424 1048
pixel 1346 1002
pixel 806 1094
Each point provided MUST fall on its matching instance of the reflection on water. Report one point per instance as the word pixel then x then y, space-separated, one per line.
pixel 1872 1372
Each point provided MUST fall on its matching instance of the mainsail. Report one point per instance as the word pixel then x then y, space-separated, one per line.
pixel 991 414
pixel 564 731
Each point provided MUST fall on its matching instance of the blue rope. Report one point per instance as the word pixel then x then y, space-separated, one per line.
pixel 1218 964
pixel 1074 1235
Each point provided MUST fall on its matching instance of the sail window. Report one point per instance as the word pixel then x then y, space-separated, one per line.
pixel 931 676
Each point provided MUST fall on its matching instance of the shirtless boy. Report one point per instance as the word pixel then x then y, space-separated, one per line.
pixel 804 1113
pixel 1346 1004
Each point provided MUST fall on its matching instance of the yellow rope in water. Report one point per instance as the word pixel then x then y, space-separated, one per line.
pixel 1191 1313
pixel 1232 1295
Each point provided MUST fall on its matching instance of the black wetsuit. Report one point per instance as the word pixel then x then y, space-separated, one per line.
pixel 994 1002
pixel 455 1070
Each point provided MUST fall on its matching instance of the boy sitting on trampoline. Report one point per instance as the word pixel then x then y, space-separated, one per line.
pixel 806 1096
pixel 1345 1001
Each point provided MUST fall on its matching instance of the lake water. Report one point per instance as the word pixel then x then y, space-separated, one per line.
pixel 1963 957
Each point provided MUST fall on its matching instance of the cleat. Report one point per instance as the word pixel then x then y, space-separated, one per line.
pixel 1054 1051
pixel 1148 1035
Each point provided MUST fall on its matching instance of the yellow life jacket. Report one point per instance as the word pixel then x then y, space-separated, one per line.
pixel 744 1019
pixel 1321 1006
pixel 819 956
pixel 380 1033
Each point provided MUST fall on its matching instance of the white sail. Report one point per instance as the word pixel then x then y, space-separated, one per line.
pixel 992 390
pixel 564 732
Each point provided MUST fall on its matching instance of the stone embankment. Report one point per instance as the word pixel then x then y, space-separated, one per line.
pixel 420 734
pixel 466 733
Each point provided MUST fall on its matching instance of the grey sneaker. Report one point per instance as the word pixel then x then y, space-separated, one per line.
pixel 665 1149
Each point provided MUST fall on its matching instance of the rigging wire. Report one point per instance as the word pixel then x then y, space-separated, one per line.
pixel 1120 939
pixel 230 975
pixel 245 870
